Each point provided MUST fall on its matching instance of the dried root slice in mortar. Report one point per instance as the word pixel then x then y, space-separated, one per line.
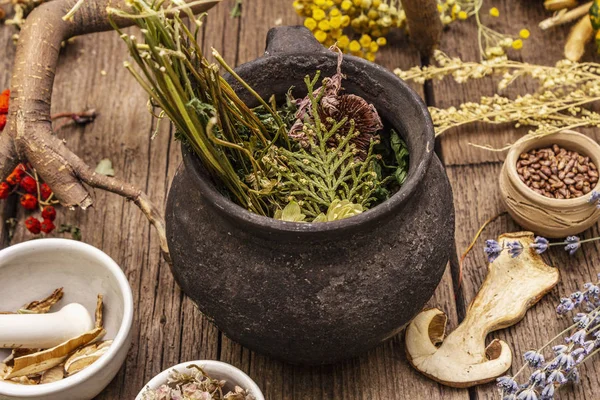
pixel 85 357
pixel 43 360
pixel 40 306
pixel 99 312
pixel 43 306
pixel 54 374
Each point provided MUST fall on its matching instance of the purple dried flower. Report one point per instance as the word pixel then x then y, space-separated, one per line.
pixel 540 244
pixel 566 305
pixel 561 348
pixel 514 248
pixel 538 377
pixel 492 250
pixel 578 355
pixel 548 392
pixel 558 377
pixel 572 244
pixel 578 337
pixel 589 346
pixel 528 394
pixel 535 359
pixel 577 298
pixel 574 375
pixel 595 198
pixel 507 384
pixel 511 396
pixel 581 319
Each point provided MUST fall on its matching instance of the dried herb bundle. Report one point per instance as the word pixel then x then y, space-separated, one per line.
pixel 312 151
pixel 556 105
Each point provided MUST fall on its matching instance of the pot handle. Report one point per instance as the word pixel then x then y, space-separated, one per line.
pixel 292 39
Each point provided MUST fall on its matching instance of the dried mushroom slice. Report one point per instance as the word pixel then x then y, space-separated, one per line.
pixel 86 356
pixel 43 306
pixel 99 311
pixel 53 374
pixel 43 360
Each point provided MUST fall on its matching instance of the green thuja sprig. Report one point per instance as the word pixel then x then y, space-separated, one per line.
pixel 322 173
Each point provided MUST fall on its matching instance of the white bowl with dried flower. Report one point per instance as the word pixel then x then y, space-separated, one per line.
pixel 82 303
pixel 548 183
pixel 202 379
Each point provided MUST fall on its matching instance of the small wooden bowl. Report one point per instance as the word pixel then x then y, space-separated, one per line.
pixel 553 218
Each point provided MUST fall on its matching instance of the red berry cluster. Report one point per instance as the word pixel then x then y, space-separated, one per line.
pixel 4 96
pixel 34 194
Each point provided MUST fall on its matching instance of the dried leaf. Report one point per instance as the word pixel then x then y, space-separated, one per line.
pixel 85 357
pixel 54 374
pixel 46 359
pixel 105 167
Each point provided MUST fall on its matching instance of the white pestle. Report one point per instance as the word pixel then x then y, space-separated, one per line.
pixel 43 331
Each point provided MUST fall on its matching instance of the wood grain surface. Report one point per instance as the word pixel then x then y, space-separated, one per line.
pixel 168 328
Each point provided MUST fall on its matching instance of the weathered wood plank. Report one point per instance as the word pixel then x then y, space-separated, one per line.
pixel 474 177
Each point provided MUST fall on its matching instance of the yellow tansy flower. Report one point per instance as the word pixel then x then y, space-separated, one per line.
pixel 319 3
pixel 462 15
pixel 365 40
pixel 320 36
pixel 376 3
pixel 370 56
pixel 357 3
pixel 345 21
pixel 335 22
pixel 343 41
pixel 324 25
pixel 381 41
pixel 517 44
pixel 373 47
pixel 310 23
pixel 524 33
pixel 318 14
pixel 494 12
pixel 346 4
pixel 354 46
pixel 335 12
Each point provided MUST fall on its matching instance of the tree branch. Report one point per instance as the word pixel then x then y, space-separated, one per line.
pixel 424 24
pixel 28 134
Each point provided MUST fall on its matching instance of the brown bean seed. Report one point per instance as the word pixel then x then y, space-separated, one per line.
pixel 582 168
pixel 586 189
pixel 561 175
pixel 579 185
pixel 568 181
pixel 546 171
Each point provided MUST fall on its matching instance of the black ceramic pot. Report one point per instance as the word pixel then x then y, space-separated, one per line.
pixel 316 293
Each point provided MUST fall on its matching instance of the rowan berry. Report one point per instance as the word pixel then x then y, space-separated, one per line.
pixel 45 191
pixel 47 226
pixel 28 184
pixel 33 225
pixel 4 190
pixel 28 201
pixel 49 213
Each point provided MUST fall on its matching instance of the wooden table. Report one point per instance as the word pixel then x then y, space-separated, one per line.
pixel 168 328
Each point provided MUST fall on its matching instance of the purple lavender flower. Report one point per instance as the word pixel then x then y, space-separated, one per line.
pixel 592 290
pixel 566 305
pixel 514 248
pixel 595 198
pixel 578 355
pixel 548 392
pixel 492 250
pixel 588 346
pixel 581 319
pixel 540 244
pixel 507 384
pixel 538 378
pixel 572 244
pixel 574 375
pixel 535 359
pixel 561 348
pixel 557 376
pixel 528 394
pixel 577 298
pixel 578 337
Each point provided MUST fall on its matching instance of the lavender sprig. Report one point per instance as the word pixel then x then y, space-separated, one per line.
pixel 493 249
pixel 581 342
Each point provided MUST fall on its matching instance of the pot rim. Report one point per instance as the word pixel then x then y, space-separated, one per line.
pixel 563 138
pixel 377 213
